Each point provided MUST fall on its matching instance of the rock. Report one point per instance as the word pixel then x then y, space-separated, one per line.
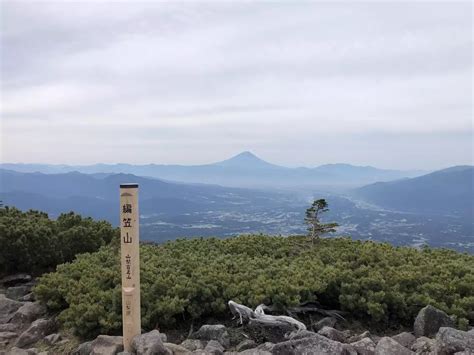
pixel 268 332
pixel 62 342
pixel 325 322
pixel 18 351
pixel 7 335
pixel 245 344
pixel 52 338
pixel 177 349
pixel 83 349
pixel 193 344
pixel 358 337
pixel 149 344
pixel 7 308
pixel 16 279
pixel 8 327
pixel 364 346
pixel 388 346
pixel 423 345
pixel 124 353
pixel 316 344
pixel 29 297
pixel 29 312
pixel 36 331
pixel 450 340
pixel 300 334
pixel 333 334
pixel 214 347
pixel 106 345
pixel 429 320
pixel 266 346
pixel 216 332
pixel 17 292
pixel 254 352
pixel 405 339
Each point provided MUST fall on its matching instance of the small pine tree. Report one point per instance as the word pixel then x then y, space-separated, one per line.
pixel 312 219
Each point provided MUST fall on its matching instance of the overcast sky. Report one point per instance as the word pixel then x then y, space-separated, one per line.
pixel 382 84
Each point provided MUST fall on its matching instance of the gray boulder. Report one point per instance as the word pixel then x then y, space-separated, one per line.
pixel 423 345
pixel 17 292
pixel 15 279
pixel 273 332
pixel 52 338
pixel 245 345
pixel 83 349
pixel 254 352
pixel 429 320
pixel 106 345
pixel 149 344
pixel 8 327
pixel 300 334
pixel 8 335
pixel 177 349
pixel 333 334
pixel 18 351
pixel 450 340
pixel 325 322
pixel 29 312
pixel 7 308
pixel 405 339
pixel 193 344
pixel 356 338
pixel 316 344
pixel 29 297
pixel 214 347
pixel 36 331
pixel 388 346
pixel 364 346
pixel 216 332
pixel 266 346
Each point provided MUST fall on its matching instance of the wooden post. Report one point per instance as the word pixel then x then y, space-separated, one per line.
pixel 130 260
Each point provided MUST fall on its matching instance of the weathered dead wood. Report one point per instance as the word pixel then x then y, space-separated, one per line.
pixel 308 308
pixel 247 315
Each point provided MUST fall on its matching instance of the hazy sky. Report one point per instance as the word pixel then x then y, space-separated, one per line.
pixel 297 83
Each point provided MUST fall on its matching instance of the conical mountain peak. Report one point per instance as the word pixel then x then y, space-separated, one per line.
pixel 245 159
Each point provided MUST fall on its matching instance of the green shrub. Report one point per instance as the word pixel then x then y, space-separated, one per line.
pixel 32 242
pixel 190 279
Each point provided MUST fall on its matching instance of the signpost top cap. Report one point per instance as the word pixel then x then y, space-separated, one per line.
pixel 128 186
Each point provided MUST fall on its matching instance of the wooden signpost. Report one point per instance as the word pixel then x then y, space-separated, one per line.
pixel 130 260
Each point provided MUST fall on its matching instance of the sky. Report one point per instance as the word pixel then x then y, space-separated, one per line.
pixel 386 84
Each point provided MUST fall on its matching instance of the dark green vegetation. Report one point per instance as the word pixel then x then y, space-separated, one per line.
pixel 190 280
pixel 32 242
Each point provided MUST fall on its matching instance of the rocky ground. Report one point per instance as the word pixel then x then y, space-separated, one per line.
pixel 26 328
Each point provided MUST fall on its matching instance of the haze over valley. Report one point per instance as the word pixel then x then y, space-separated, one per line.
pixel 255 196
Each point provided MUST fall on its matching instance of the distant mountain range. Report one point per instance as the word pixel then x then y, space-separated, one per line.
pixel 435 208
pixel 242 170
pixel 448 192
pixel 96 195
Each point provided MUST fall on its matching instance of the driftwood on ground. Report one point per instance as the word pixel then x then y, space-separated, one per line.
pixel 247 315
pixel 308 307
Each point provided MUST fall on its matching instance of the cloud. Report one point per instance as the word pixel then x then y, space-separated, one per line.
pixel 194 82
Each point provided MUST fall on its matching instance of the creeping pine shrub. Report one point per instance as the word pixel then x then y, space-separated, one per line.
pixel 32 242
pixel 190 279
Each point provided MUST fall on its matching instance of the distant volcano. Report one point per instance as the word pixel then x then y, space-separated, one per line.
pixel 247 160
